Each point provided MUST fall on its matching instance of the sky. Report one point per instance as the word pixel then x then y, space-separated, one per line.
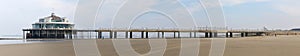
pixel 16 15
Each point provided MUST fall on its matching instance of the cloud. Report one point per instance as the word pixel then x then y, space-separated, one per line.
pixel 61 7
pixel 290 7
pixel 237 2
pixel 26 12
pixel 107 11
pixel 110 7
pixel 290 10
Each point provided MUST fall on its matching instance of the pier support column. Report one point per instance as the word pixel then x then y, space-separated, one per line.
pixel 246 34
pixel 76 35
pixel 110 35
pixel 115 34
pixel 242 35
pixel 163 34
pixel 230 34
pixel 99 35
pixel 178 35
pixel 47 32
pixel 227 34
pixel 210 35
pixel 147 34
pixel 195 34
pixel 130 34
pixel 90 36
pixel 72 34
pixel 158 35
pixel 40 34
pixel 174 35
pixel 206 35
pixel 190 34
pixel 66 36
pixel 142 34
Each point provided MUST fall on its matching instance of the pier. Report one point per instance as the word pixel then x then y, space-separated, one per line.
pixel 144 33
pixel 55 27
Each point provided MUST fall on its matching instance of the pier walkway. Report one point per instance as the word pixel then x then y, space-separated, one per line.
pixel 144 33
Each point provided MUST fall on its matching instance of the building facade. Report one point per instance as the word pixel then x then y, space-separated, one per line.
pixel 50 27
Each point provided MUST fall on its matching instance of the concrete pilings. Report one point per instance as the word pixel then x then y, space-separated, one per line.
pixel 210 35
pixel 130 35
pixel 206 34
pixel 179 36
pixel 142 34
pixel 147 34
pixel 99 35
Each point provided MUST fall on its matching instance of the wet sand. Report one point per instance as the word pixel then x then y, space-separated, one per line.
pixel 248 46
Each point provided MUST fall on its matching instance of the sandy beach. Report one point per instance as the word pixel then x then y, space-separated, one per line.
pixel 247 46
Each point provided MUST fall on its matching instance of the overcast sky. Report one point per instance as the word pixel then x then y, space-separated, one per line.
pixel 274 14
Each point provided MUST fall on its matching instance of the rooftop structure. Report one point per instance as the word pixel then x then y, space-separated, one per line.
pixel 53 22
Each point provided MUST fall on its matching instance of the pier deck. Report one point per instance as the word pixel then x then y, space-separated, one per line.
pixel 73 33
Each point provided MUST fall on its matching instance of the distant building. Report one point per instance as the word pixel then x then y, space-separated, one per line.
pixel 53 22
pixel 52 26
